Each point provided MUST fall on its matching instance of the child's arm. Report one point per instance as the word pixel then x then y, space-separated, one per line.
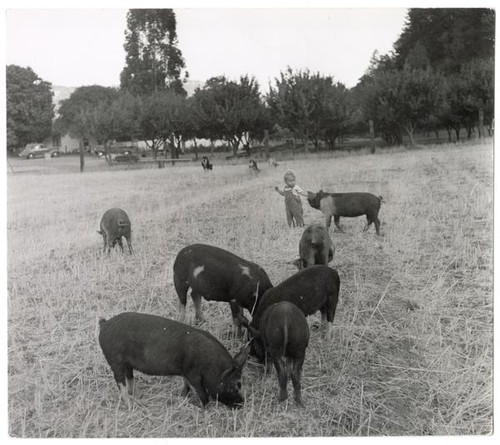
pixel 282 193
pixel 300 191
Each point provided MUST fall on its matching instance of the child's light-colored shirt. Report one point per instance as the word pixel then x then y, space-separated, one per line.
pixel 296 190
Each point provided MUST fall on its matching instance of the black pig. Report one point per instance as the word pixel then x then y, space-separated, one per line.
pixel 159 346
pixel 347 204
pixel 216 274
pixel 313 289
pixel 283 334
pixel 115 224
pixel 206 164
pixel 315 247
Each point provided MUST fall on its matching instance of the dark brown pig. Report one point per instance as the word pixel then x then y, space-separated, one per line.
pixel 159 346
pixel 315 247
pixel 115 224
pixel 347 204
pixel 216 274
pixel 313 289
pixel 283 335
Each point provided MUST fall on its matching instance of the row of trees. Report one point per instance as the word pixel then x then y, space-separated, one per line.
pixel 436 78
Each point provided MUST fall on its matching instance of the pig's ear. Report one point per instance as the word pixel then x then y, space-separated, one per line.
pixel 296 263
pixel 242 356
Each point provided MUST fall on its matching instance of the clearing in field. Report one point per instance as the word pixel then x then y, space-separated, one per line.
pixel 413 334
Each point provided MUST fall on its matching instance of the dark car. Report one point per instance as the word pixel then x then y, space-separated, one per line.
pixel 34 150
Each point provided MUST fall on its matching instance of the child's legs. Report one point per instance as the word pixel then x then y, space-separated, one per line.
pixel 297 212
pixel 289 216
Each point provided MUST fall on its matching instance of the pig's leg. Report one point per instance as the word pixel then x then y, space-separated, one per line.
pixel 129 244
pixel 296 372
pixel 181 287
pixel 236 312
pixel 119 373
pixel 129 379
pixel 197 307
pixel 377 225
pixel 327 316
pixel 368 222
pixel 195 382
pixel 328 221
pixel 120 243
pixel 105 240
pixel 336 220
pixel 186 388
pixel 280 366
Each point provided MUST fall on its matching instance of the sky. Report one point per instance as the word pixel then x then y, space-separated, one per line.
pixel 77 47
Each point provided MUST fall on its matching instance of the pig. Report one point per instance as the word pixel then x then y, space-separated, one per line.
pixel 252 165
pixel 347 204
pixel 216 274
pixel 159 346
pixel 272 162
pixel 283 335
pixel 315 247
pixel 206 164
pixel 115 224
pixel 313 289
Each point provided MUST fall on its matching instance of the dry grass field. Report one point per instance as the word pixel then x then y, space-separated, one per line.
pixel 413 336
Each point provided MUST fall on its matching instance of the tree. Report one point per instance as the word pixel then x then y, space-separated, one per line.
pixel 153 61
pixel 100 113
pixel 446 37
pixel 30 110
pixel 405 98
pixel 312 106
pixel 232 111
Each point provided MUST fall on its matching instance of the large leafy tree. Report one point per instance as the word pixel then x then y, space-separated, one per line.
pixel 100 113
pixel 153 60
pixel 406 98
pixel 312 106
pixel 446 37
pixel 30 110
pixel 81 102
pixel 232 111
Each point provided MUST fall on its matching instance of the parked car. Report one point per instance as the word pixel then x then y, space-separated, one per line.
pixel 34 150
pixel 128 157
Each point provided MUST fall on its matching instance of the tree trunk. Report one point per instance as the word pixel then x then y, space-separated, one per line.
pixel 449 133
pixel 195 149
pixel 266 144
pixel 306 145
pixel 481 122
pixel 82 158
pixel 372 136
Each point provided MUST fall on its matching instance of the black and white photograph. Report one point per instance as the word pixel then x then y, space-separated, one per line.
pixel 248 221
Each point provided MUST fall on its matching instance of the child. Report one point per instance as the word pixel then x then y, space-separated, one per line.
pixel 293 204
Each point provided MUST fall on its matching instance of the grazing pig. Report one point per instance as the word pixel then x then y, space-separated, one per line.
pixel 206 164
pixel 315 247
pixel 272 162
pixel 347 204
pixel 252 165
pixel 216 274
pixel 159 346
pixel 283 334
pixel 313 289
pixel 115 224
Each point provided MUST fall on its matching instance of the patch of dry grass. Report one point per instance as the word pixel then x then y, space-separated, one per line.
pixel 412 353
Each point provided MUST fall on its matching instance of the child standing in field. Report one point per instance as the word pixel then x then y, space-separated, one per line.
pixel 293 204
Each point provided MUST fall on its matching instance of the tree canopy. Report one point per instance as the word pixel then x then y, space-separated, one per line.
pixel 153 60
pixel 29 107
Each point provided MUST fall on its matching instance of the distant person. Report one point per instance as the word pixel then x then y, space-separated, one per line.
pixel 293 203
